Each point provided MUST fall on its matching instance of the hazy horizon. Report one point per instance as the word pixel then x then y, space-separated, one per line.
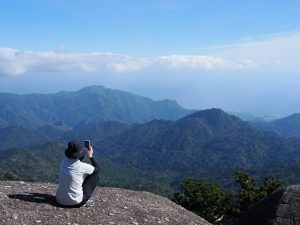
pixel 235 55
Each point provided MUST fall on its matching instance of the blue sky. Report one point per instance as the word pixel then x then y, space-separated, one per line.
pixel 237 55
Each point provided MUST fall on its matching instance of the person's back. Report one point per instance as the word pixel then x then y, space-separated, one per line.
pixel 77 180
pixel 72 174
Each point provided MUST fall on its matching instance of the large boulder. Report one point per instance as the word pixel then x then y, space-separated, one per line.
pixel 279 208
pixel 34 203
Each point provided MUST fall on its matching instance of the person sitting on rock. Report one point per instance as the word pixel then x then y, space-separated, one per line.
pixel 77 180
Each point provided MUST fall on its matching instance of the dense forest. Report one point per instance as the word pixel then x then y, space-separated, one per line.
pixel 158 155
pixel 166 149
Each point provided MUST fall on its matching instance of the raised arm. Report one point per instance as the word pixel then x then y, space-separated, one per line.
pixel 90 153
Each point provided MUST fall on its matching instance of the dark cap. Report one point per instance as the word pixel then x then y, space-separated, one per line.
pixel 75 149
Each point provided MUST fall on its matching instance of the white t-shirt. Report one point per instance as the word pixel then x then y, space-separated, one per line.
pixel 71 177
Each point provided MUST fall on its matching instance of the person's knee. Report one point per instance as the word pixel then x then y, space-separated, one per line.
pixel 95 177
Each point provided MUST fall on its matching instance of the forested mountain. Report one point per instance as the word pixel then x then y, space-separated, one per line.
pixel 208 144
pixel 88 105
pixel 98 131
pixel 204 141
pixel 16 137
pixel 287 126
pixel 92 131
pixel 42 162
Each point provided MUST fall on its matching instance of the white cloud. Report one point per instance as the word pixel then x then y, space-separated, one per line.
pixel 130 65
pixel 17 62
pixel 277 51
pixel 204 62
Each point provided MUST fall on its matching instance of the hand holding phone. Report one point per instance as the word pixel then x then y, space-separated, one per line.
pixel 87 144
pixel 90 150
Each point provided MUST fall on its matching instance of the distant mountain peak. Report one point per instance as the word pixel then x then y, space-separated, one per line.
pixel 213 115
pixel 87 105
pixel 93 88
pixel 215 111
pixel 217 120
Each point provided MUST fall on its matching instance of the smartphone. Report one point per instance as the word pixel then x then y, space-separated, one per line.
pixel 87 143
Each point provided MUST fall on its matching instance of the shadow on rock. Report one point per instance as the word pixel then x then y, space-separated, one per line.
pixel 268 210
pixel 36 197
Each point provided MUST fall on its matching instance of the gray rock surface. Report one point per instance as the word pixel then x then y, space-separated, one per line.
pixel 34 203
pixel 279 208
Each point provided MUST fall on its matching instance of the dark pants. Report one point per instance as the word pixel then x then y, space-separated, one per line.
pixel 88 187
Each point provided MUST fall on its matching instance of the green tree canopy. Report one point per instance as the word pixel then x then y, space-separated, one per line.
pixel 217 206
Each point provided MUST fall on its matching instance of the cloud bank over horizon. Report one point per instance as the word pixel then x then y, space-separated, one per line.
pixel 280 51
pixel 249 76
pixel 18 62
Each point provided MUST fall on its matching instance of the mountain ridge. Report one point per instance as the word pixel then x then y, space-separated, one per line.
pixel 287 126
pixel 89 104
pixel 16 137
pixel 199 137
pixel 165 151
